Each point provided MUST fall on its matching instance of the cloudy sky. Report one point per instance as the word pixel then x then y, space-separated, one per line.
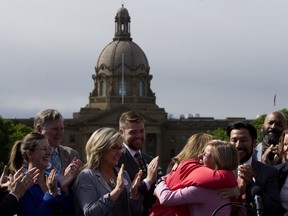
pixel 218 58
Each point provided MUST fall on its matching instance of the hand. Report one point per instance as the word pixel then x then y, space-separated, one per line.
pixel 245 171
pixel 4 181
pixel 51 182
pixel 70 173
pixel 271 150
pixel 30 177
pixel 73 167
pixel 20 182
pixel 135 184
pixel 242 188
pixel 114 194
pixel 152 170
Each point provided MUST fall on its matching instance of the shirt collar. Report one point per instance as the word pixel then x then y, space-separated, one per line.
pixel 131 151
pixel 249 161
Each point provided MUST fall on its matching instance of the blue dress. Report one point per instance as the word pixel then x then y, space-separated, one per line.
pixel 35 202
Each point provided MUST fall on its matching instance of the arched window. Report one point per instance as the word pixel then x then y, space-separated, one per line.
pixel 102 88
pixel 122 88
pixel 141 89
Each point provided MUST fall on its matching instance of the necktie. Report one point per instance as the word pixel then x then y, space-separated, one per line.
pixel 141 164
pixel 56 161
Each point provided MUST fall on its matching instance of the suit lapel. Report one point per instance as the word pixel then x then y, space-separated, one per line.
pixel 102 180
pixel 64 157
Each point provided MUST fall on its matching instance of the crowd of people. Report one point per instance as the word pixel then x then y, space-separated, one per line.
pixel 238 177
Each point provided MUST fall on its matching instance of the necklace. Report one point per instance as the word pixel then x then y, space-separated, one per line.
pixel 112 182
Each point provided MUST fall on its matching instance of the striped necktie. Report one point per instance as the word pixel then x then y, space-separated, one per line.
pixel 141 164
pixel 56 161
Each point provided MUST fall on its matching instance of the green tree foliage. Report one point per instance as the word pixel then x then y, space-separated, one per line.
pixel 219 133
pixel 9 133
pixel 257 123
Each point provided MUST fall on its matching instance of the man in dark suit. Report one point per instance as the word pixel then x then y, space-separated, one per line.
pixel 50 123
pixel 252 173
pixel 131 126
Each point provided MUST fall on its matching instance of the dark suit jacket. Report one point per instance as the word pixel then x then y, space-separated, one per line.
pixel 132 168
pixel 9 205
pixel 266 178
pixel 282 175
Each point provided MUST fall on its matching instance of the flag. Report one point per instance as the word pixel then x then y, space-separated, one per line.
pixel 274 99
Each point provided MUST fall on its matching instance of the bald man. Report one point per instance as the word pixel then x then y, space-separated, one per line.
pixel 275 123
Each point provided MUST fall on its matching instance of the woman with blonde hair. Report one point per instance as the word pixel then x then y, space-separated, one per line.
pixel 192 149
pixel 191 189
pixel 101 188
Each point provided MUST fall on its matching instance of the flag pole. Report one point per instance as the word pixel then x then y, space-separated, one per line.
pixel 122 78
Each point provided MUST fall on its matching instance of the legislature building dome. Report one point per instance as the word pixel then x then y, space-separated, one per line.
pixel 122 71
pixel 119 51
pixel 122 48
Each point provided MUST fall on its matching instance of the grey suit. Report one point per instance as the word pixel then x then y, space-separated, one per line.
pixel 66 154
pixel 91 196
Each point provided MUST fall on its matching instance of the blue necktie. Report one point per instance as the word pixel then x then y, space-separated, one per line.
pixel 56 161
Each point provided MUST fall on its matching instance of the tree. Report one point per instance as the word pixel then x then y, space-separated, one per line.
pixel 220 133
pixel 257 123
pixel 9 134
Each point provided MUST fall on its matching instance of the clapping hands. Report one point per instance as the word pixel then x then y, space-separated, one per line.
pixel 19 182
pixel 70 173
pixel 152 170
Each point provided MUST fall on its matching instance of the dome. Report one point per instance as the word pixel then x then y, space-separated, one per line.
pixel 122 71
pixel 111 56
pixel 122 45
pixel 122 12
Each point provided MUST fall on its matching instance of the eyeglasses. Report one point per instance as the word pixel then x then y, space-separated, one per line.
pixel 117 148
pixel 45 149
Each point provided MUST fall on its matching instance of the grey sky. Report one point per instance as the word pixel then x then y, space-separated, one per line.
pixel 218 58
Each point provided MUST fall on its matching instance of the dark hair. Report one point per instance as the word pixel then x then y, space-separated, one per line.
pixel 18 156
pixel 239 125
pixel 281 143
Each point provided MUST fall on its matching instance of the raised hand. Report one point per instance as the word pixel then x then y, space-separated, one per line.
pixel 51 182
pixel 114 194
pixel 152 170
pixel 119 181
pixel 245 171
pixel 20 182
pixel 4 181
pixel 135 184
pixel 70 173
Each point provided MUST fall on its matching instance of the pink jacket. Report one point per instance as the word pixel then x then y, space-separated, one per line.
pixel 201 201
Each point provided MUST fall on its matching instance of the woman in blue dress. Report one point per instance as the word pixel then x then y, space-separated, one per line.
pixel 50 195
